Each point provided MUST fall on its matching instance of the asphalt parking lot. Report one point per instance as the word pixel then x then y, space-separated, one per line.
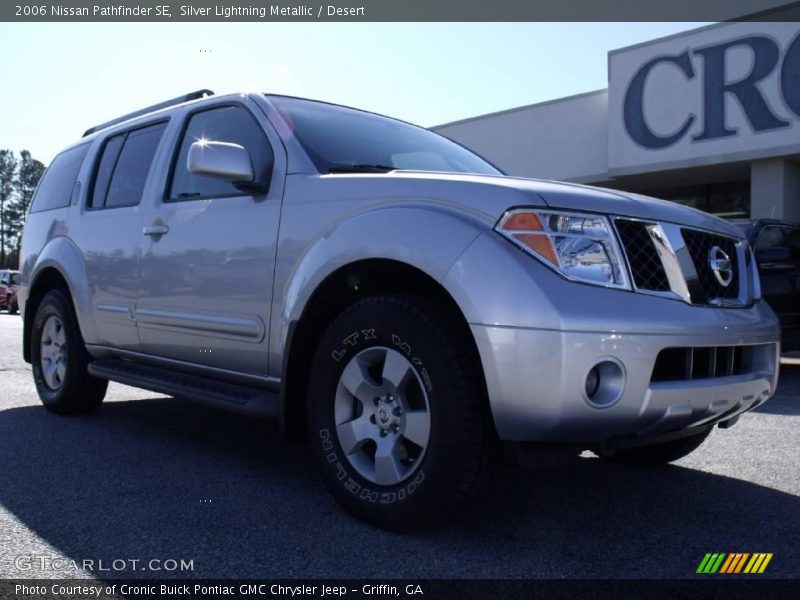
pixel 149 477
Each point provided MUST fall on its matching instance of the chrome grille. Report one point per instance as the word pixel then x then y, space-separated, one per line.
pixel 673 261
pixel 647 270
pixel 699 244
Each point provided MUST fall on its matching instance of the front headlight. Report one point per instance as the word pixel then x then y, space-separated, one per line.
pixel 580 247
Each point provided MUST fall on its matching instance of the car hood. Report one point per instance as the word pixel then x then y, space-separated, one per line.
pixel 493 195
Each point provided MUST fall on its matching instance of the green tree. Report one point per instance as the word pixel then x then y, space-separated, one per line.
pixel 29 171
pixel 8 168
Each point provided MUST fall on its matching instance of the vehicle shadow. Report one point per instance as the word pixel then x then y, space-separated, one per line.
pixel 164 479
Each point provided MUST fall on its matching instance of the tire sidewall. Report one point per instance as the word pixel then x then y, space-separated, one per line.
pixel 54 304
pixel 437 477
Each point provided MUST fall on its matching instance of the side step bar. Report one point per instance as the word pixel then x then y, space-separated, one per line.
pixel 228 396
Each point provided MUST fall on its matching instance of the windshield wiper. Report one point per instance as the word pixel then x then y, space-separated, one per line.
pixel 360 168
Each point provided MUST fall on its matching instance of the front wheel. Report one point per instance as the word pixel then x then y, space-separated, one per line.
pixel 398 414
pixel 12 306
pixel 60 360
pixel 659 454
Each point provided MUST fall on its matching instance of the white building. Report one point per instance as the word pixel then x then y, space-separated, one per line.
pixel 708 118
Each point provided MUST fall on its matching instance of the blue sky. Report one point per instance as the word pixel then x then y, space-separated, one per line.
pixel 60 79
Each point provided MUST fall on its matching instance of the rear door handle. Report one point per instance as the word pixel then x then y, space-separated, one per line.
pixel 155 230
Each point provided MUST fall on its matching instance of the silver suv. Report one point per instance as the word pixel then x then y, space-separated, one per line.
pixel 387 293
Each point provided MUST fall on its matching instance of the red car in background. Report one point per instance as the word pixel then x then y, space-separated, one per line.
pixel 8 290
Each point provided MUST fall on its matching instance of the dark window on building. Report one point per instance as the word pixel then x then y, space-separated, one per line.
pixel 232 124
pixel 55 188
pixel 729 200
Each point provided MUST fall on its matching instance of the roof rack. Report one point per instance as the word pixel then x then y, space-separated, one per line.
pixel 179 100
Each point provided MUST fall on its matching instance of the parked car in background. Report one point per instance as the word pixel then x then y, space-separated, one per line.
pixel 8 290
pixel 777 250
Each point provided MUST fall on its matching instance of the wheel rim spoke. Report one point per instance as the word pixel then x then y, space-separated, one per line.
pixel 396 369
pixel 53 358
pixel 61 369
pixel 353 434
pixel 388 469
pixel 50 375
pixel 49 332
pixel 355 380
pixel 417 427
pixel 47 352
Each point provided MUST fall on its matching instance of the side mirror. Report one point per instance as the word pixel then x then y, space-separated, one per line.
pixel 223 161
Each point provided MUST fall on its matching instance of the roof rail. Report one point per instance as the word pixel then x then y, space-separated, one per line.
pixel 179 100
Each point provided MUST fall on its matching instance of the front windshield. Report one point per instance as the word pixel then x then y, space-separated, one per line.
pixel 339 139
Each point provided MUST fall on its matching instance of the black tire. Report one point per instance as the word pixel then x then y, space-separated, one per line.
pixel 659 454
pixel 12 306
pixel 78 392
pixel 458 466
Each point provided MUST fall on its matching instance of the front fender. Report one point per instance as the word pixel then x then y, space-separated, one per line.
pixel 427 237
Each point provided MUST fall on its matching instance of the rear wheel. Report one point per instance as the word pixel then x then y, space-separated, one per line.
pixel 60 360
pixel 12 305
pixel 659 454
pixel 398 414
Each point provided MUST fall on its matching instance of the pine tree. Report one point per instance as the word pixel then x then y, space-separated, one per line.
pixel 29 171
pixel 8 167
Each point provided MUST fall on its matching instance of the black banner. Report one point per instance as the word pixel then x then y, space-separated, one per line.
pixel 398 10
pixel 423 589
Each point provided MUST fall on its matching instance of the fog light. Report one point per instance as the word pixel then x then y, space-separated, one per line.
pixel 605 383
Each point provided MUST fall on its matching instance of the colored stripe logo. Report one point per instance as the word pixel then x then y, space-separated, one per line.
pixel 734 562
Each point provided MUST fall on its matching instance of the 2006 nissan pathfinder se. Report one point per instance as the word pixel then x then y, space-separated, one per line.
pixel 387 293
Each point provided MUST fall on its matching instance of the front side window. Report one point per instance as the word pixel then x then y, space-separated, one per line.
pixel 124 166
pixel 793 241
pixel 55 188
pixel 770 238
pixel 232 124
pixel 340 139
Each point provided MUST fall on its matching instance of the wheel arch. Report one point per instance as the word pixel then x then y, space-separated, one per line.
pixel 59 265
pixel 341 288
pixel 48 278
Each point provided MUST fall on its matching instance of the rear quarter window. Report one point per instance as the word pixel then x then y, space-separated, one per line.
pixel 55 188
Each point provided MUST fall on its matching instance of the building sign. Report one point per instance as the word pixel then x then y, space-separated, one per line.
pixel 724 93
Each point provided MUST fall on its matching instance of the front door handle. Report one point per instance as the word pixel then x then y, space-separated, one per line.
pixel 155 230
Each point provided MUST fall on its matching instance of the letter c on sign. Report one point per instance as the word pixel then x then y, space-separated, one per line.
pixel 790 76
pixel 633 109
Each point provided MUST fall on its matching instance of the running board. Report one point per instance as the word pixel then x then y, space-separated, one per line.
pixel 228 396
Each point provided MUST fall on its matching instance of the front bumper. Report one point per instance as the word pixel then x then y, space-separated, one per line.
pixel 539 335
pixel 536 382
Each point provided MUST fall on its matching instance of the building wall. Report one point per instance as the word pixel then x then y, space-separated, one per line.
pixel 712 105
pixel 565 139
pixel 775 189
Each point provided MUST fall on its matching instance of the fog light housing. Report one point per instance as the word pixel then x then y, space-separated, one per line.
pixel 605 383
pixel 592 382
